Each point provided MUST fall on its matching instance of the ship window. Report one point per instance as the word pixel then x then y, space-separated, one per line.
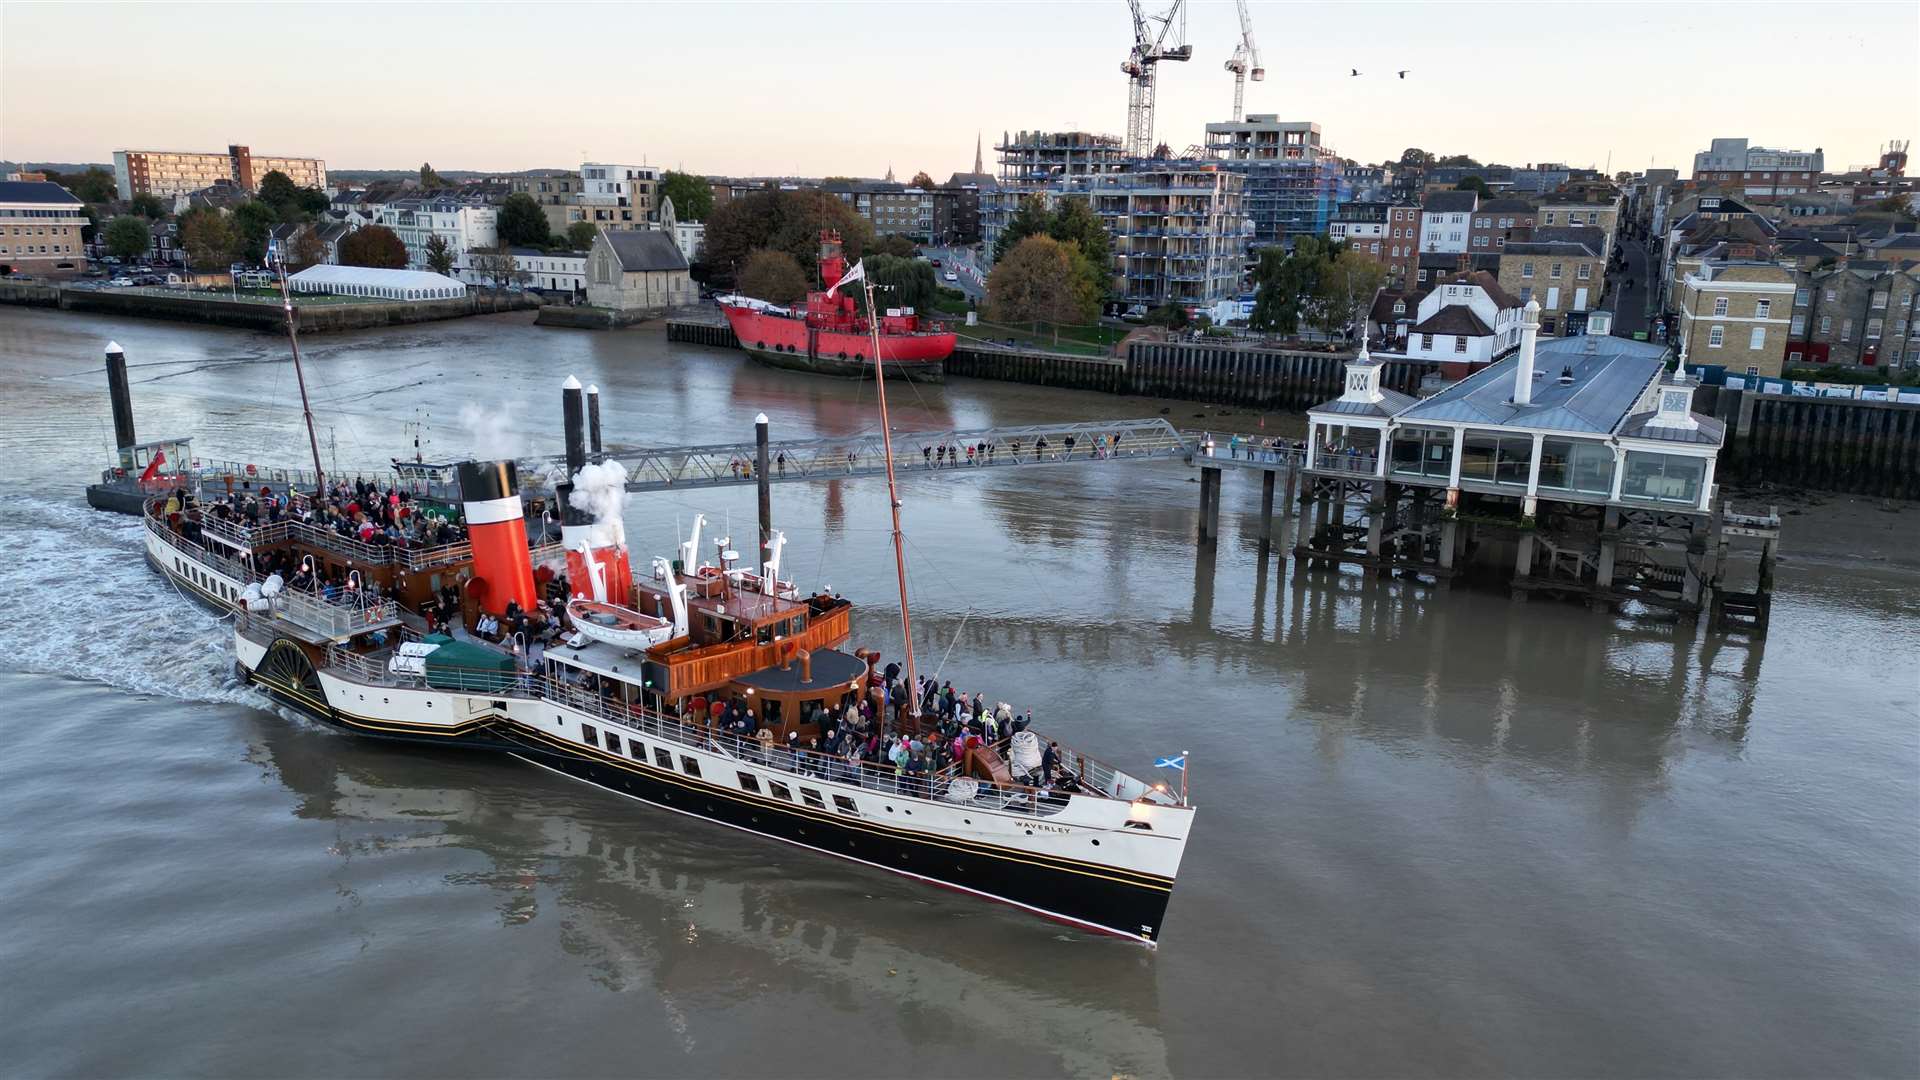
pixel 812 798
pixel 613 742
pixel 766 633
pixel 587 733
pixel 662 758
pixel 689 766
pixel 638 751
pixel 748 782
pixel 845 805
pixel 779 790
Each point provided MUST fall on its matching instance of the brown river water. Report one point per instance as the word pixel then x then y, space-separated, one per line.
pixel 1439 834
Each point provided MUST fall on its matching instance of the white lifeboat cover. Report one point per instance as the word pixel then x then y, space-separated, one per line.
pixel 1025 752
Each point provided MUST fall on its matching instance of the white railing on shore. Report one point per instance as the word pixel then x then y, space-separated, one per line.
pixel 1096 778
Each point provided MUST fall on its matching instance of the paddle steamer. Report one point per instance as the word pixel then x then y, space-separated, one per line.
pixel 627 702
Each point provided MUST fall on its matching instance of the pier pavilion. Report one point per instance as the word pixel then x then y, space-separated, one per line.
pixel 1578 461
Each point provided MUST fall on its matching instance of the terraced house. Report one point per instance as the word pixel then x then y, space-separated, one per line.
pixel 1736 315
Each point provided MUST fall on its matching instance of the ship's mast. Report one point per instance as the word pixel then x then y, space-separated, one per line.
pixel 306 409
pixel 893 499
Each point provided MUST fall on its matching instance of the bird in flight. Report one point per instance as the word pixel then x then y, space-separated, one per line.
pixel 1403 74
pixel 1356 71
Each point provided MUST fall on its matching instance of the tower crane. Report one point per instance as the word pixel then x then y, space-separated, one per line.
pixel 1150 46
pixel 1245 61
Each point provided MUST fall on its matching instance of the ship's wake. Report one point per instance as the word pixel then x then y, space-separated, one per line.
pixel 83 604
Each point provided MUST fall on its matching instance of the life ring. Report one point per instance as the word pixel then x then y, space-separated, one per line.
pixel 707 572
pixel 251 471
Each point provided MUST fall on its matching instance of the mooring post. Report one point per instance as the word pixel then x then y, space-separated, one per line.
pixel 762 480
pixel 1266 513
pixel 123 436
pixel 1287 506
pixel 1209 503
pixel 593 421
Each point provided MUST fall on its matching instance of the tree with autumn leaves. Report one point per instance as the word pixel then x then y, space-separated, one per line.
pixel 1042 280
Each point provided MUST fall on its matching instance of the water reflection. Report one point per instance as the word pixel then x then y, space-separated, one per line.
pixel 701 916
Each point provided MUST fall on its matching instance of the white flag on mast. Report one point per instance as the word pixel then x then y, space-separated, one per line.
pixel 858 273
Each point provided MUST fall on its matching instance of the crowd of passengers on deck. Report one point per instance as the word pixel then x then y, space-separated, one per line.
pixel 359 510
pixel 871 738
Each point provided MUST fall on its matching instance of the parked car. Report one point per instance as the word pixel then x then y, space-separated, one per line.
pixel 121 282
pixel 935 262
pixel 951 276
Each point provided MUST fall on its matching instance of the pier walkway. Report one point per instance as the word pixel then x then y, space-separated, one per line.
pixel 945 452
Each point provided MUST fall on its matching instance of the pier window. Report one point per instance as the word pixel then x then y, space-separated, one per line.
pixel 1423 452
pixel 1499 459
pixel 1573 465
pixel 1668 478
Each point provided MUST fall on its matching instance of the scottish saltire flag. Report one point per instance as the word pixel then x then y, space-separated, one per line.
pixel 858 273
pixel 1178 761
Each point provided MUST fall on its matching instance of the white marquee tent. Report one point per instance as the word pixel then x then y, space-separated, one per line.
pixel 378 284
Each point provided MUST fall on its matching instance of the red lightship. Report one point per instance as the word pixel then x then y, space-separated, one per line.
pixel 828 335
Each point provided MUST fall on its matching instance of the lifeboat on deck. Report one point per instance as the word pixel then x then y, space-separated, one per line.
pixel 618 626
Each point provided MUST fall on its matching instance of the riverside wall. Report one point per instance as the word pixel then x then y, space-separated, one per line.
pixel 254 315
pixel 1830 444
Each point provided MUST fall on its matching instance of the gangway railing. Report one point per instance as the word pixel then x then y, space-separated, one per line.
pixel 723 464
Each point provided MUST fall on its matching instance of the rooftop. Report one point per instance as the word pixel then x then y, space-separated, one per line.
pixel 1450 202
pixel 1607 382
pixel 645 250
pixel 38 192
pixel 1454 319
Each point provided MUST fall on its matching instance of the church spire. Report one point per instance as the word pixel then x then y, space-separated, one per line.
pixel 889 172
pixel 977 163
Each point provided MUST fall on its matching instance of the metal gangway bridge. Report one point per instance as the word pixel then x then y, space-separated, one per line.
pixel 666 468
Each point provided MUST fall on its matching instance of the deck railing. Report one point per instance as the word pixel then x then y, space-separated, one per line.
pixel 310 611
pixel 408 558
pixel 1097 779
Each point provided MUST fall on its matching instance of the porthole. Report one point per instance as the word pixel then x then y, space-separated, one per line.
pixel 1096 843
pixel 889 809
pixel 968 820
pixel 1029 832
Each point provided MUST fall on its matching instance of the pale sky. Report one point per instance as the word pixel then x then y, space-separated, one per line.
pixel 757 88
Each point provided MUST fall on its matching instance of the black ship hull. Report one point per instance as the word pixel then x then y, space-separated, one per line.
pixel 1093 898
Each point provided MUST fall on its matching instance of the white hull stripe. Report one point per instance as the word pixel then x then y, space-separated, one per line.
pixel 493 511
pixel 863 862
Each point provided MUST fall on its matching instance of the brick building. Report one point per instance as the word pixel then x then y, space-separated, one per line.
pixel 1566 275
pixel 1736 314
